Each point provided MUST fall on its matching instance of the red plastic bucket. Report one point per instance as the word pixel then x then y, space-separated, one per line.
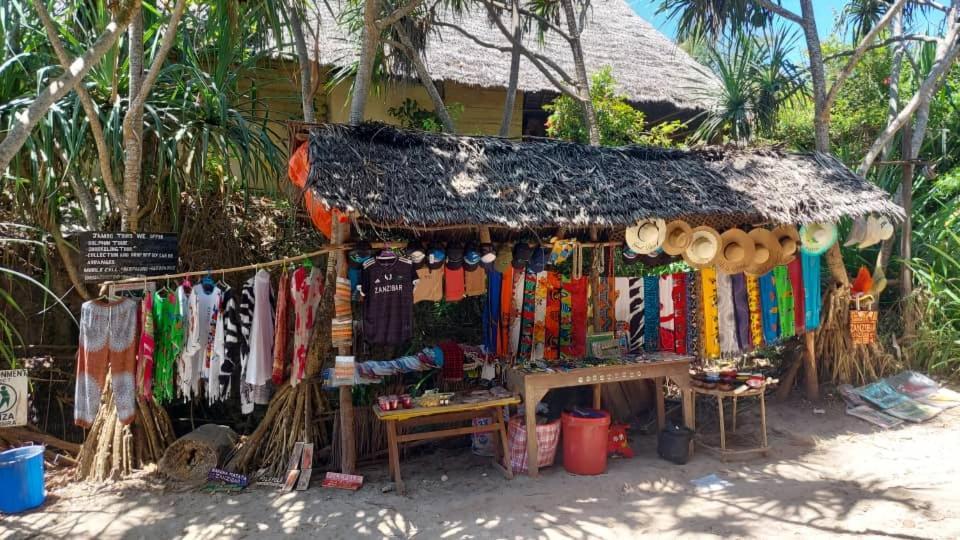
pixel 585 443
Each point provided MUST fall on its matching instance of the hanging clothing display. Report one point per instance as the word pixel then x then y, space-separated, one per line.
pixel 281 335
pixel 785 303
pixel 604 303
pixel 226 348
pixel 795 273
pixel 474 282
pixel 527 316
pixel 168 333
pixel 204 305
pixel 306 291
pixel 753 305
pixel 680 313
pixel 651 313
pixel 342 307
pixel 539 318
pixel 516 311
pixel 711 318
pixel 503 319
pixel 551 349
pixel 260 359
pixel 387 290
pixel 146 349
pixel 667 328
pixel 108 333
pixel 769 309
pixel 725 315
pixel 621 306
pixel 429 287
pixel 453 284
pixel 635 317
pixel 694 314
pixel 741 311
pixel 491 312
pixel 811 290
pixel 575 290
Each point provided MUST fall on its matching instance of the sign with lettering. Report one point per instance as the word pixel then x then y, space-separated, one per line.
pixel 13 397
pixel 863 327
pixel 107 256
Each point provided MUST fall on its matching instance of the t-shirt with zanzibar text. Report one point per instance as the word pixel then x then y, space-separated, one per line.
pixel 387 288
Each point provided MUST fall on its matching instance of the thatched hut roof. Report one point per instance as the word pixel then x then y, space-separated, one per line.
pixel 648 66
pixel 414 179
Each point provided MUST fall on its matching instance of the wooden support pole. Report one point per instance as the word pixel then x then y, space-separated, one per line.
pixel 348 440
pixel 485 234
pixel 810 379
pixel 595 277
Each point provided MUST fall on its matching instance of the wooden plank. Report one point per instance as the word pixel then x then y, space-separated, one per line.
pixel 444 433
pixel 403 414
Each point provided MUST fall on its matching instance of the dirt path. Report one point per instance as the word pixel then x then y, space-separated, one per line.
pixel 829 476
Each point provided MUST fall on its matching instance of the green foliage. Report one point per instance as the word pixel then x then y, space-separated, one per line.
pixel 619 123
pixel 412 116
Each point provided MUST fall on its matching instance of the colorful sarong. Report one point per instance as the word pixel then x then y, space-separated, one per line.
pixel 527 316
pixel 668 336
pixel 506 298
pixel 753 304
pixel 576 291
pixel 795 274
pixel 694 314
pixel 785 305
pixel 811 290
pixel 741 311
pixel 726 316
pixel 769 309
pixel 651 313
pixel 711 320
pixel 680 313
pixel 539 317
pixel 604 305
pixel 491 312
pixel 516 311
pixel 551 345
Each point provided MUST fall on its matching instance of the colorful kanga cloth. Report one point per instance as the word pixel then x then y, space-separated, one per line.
pixel 527 316
pixel 491 311
pixel 565 330
pixel 168 337
pixel 651 313
pixel 540 318
pixel 516 311
pixel 725 315
pixel 306 293
pixel 680 313
pixel 146 349
pixel 551 345
pixel 769 309
pixel 811 290
pixel 795 274
pixel 635 313
pixel 668 337
pixel 741 311
pixel 694 314
pixel 711 317
pixel 785 304
pixel 108 332
pixel 753 305
pixel 576 291
pixel 604 305
pixel 503 318
pixel 281 330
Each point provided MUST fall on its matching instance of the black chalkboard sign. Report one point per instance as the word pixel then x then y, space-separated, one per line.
pixel 107 256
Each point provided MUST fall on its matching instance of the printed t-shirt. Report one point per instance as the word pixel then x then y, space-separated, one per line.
pixel 429 287
pixel 453 284
pixel 475 282
pixel 387 288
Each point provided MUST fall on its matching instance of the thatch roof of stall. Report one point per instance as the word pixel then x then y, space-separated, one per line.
pixel 414 179
pixel 648 66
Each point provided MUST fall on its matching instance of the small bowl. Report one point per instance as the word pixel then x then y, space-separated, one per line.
pixel 709 385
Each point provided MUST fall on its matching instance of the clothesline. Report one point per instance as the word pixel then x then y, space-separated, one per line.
pixel 287 260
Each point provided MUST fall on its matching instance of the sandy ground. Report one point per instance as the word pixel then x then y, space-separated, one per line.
pixel 829 475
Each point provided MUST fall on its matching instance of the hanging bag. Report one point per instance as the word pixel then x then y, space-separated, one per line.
pixel 863 320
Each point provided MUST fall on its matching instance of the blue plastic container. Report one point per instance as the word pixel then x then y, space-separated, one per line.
pixel 21 479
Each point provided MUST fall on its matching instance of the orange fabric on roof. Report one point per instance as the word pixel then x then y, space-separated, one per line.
pixel 297 170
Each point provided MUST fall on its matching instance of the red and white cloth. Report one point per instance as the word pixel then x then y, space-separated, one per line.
pixel 547 437
pixel 306 291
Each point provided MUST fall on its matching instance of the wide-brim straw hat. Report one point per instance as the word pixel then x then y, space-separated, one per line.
pixel 677 237
pixel 646 236
pixel 736 251
pixel 816 238
pixel 703 247
pixel 766 253
pixel 789 241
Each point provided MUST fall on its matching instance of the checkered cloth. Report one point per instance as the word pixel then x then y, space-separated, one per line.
pixel 547 437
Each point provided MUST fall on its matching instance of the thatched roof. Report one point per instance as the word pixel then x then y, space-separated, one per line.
pixel 414 179
pixel 648 66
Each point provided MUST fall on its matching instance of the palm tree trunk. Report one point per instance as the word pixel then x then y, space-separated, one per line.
pixel 818 77
pixel 583 83
pixel 439 108
pixel 306 80
pixel 369 36
pixel 27 120
pixel 133 125
pixel 514 78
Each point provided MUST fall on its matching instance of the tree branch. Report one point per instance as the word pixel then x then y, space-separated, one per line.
pixel 860 51
pixel 303 59
pixel 777 9
pixel 27 120
pixel 880 44
pixel 96 128
pixel 535 16
pixel 439 108
pixel 399 13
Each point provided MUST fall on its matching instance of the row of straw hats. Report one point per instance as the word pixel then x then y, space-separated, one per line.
pixel 734 251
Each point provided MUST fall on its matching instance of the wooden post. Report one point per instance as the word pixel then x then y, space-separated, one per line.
pixel 811 382
pixel 348 440
pixel 485 234
pixel 595 277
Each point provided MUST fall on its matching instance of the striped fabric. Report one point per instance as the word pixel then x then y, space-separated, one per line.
pixel 341 299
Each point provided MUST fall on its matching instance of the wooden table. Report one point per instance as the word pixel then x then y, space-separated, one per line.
pixel 722 450
pixel 455 412
pixel 534 386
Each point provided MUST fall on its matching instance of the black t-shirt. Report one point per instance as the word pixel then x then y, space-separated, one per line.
pixel 387 289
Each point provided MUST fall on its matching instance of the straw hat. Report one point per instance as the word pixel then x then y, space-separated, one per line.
pixel 858 232
pixel 877 230
pixel 766 253
pixel 703 247
pixel 816 238
pixel 646 236
pixel 789 242
pixel 677 237
pixel 736 251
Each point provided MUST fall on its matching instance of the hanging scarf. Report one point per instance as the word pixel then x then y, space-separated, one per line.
pixel 651 313
pixel 527 316
pixel 635 313
pixel 503 319
pixel 753 304
pixel 551 346
pixel 576 290
pixel 680 313
pixel 668 336
pixel 769 309
pixel 491 312
pixel 785 305
pixel 694 313
pixel 516 311
pixel 811 290
pixel 621 306
pixel 168 337
pixel 146 349
pixel 281 329
pixel 604 304
pixel 539 318
pixel 565 334
pixel 711 317
pixel 795 274
pixel 726 316
pixel 741 311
